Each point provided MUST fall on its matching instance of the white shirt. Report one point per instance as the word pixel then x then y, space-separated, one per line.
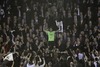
pixel 80 56
pixel 9 57
pixel 28 65
pixel 95 64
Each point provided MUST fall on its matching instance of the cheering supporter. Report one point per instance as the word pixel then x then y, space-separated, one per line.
pixel 50 33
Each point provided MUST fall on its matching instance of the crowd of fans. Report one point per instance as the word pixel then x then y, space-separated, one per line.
pixel 26 25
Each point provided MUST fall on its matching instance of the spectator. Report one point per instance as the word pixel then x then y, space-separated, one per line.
pixel 27 28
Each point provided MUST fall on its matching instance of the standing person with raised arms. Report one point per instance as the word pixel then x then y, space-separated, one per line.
pixel 51 37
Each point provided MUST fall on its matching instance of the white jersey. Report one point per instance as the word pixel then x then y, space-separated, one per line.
pixel 59 25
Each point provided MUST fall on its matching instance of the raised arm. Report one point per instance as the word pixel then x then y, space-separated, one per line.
pixel 45 30
pixel 12 36
pixel 43 63
pixel 39 59
pixel 29 56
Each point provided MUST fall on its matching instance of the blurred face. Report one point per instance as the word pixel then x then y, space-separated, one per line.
pixel 41 33
pixel 68 39
pixel 64 33
pixel 44 21
pixel 17 42
pixel 90 32
pixel 64 13
pixel 95 29
pixel 21 38
pixel 86 40
pixel 59 42
pixel 89 8
pixel 19 25
pixel 7 27
pixel 30 30
pixel 27 34
pixel 33 35
pixel 78 39
pixel 86 25
pixel 37 41
pixel 96 53
pixel 49 64
pixel 60 35
pixel 69 14
pixel 28 39
pixel 15 17
pixel 47 14
pixel 40 28
pixel 18 36
pixel 23 21
pixel 24 15
pixel 90 23
pixel 82 32
pixel 67 33
pixel 50 29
